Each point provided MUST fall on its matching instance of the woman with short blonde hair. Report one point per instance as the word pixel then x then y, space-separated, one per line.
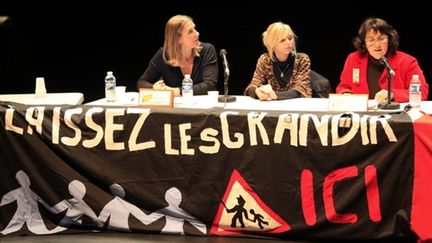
pixel 281 73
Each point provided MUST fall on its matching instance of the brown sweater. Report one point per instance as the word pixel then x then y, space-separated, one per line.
pixel 264 74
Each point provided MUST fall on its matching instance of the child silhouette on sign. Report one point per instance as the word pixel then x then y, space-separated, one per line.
pixel 258 218
pixel 239 210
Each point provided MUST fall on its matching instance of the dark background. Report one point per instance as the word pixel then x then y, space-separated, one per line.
pixel 73 44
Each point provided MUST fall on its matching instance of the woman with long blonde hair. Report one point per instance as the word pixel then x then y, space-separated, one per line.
pixel 181 54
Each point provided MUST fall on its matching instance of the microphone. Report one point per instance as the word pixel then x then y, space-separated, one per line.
pixel 225 98
pixel 388 105
pixel 223 54
pixel 384 61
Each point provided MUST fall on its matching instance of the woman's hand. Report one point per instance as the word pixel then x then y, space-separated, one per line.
pixel 160 85
pixel 382 95
pixel 265 92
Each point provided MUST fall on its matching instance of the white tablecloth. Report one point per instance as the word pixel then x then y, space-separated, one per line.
pixel 48 99
pixel 248 103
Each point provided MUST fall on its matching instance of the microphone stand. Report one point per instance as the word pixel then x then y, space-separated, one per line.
pixel 225 98
pixel 389 105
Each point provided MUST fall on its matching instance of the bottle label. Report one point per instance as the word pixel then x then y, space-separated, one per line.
pixel 109 85
pixel 415 88
pixel 187 87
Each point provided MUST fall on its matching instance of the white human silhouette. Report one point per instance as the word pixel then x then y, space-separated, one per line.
pixel 75 206
pixel 175 216
pixel 118 211
pixel 27 211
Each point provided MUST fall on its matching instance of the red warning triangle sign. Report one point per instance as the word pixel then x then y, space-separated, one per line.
pixel 240 200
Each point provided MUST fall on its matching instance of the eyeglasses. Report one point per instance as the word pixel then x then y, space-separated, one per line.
pixel 380 40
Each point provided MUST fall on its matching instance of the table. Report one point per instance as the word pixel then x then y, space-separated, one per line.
pixel 67 98
pixel 242 102
pixel 248 103
pixel 296 172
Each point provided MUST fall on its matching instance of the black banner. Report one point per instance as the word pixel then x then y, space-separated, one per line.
pixel 204 172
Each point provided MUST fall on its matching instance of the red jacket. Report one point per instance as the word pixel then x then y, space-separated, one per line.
pixel 354 78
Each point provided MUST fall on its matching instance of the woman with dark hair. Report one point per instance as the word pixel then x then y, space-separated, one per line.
pixel 364 71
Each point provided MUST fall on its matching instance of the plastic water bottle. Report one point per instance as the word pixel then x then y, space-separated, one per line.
pixel 415 92
pixel 187 89
pixel 110 84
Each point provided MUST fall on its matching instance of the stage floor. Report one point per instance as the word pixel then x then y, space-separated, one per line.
pixel 146 238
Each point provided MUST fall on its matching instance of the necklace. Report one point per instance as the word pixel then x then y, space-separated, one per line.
pixel 282 70
pixel 285 65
